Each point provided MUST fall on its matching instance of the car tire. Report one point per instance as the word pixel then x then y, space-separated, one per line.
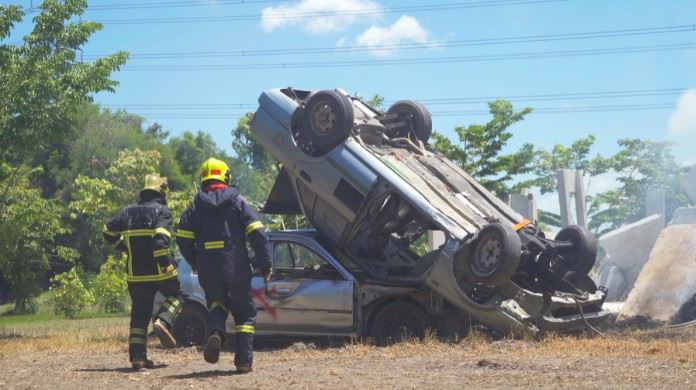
pixel 495 255
pixel 418 117
pixel 327 119
pixel 585 248
pixel 191 326
pixel 398 321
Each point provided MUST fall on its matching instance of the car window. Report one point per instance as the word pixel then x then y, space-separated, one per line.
pixel 292 260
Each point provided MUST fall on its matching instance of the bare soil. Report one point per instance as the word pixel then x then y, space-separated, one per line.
pixel 92 358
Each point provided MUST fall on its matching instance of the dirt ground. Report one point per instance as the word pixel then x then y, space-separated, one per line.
pixel 95 357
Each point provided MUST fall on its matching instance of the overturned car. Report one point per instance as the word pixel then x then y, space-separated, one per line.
pixel 374 189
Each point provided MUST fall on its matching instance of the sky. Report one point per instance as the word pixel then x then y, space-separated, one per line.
pixel 611 68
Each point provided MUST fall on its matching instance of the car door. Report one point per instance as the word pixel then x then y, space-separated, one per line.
pixel 307 295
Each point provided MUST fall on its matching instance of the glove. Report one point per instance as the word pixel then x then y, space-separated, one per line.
pixel 266 272
pixel 169 269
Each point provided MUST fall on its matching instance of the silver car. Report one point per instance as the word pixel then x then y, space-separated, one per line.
pixel 312 294
pixel 375 190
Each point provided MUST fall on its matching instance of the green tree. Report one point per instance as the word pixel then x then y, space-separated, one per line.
pixel 110 285
pixel 68 294
pixel 639 165
pixel 191 150
pixel 28 235
pixel 480 152
pixel 42 80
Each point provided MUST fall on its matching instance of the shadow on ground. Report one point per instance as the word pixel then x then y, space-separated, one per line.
pixel 125 370
pixel 205 374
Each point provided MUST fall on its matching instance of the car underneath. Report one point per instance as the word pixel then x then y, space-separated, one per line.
pixel 375 191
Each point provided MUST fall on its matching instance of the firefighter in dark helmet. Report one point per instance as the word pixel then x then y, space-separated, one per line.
pixel 144 231
pixel 212 236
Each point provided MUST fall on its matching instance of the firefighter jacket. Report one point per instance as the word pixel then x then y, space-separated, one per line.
pixel 143 230
pixel 212 236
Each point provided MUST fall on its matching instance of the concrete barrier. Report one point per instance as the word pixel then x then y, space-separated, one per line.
pixel 668 279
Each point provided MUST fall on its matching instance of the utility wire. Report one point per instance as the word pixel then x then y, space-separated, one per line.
pixel 540 110
pixel 433 101
pixel 411 46
pixel 417 61
pixel 173 4
pixel 314 14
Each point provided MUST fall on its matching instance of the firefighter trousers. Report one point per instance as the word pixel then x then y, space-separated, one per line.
pixel 142 296
pixel 233 298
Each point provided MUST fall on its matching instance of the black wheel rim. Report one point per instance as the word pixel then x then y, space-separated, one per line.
pixel 323 118
pixel 402 326
pixel 488 256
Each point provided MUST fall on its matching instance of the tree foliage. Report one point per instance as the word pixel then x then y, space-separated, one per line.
pixel 42 81
pixel 27 236
pixel 639 165
pixel 68 294
pixel 109 286
pixel 480 147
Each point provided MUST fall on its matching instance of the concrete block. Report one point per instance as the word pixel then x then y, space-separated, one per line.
pixel 668 279
pixel 566 187
pixel 684 216
pixel 613 279
pixel 629 246
pixel 689 184
pixel 654 202
pixel 524 204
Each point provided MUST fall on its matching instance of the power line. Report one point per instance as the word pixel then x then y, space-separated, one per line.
pixel 411 46
pixel 173 4
pixel 538 111
pixel 313 14
pixel 417 61
pixel 616 94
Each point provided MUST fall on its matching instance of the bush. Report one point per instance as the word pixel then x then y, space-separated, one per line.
pixel 110 286
pixel 68 294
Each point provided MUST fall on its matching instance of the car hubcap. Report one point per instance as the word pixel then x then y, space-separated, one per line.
pixel 323 118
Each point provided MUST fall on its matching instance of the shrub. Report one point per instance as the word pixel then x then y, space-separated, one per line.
pixel 110 286
pixel 68 294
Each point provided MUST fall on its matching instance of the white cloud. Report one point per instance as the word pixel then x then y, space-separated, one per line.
pixel 682 122
pixel 334 15
pixel 405 30
pixel 681 127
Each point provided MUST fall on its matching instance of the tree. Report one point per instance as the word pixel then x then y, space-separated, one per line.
pixel 27 235
pixel 480 152
pixel 191 150
pixel 639 165
pixel 42 81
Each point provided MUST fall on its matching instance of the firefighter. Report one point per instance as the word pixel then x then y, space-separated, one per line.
pixel 144 231
pixel 212 236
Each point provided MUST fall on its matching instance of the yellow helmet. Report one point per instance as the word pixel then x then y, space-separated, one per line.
pixel 214 169
pixel 156 183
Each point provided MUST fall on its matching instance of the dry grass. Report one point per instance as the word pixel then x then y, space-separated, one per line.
pixel 91 334
pixel 110 334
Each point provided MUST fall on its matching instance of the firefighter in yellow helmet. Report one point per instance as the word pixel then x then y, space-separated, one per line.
pixel 212 236
pixel 144 231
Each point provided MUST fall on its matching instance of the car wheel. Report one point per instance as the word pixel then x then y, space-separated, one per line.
pixel 399 321
pixel 495 254
pixel 191 325
pixel 327 119
pixel 585 245
pixel 416 115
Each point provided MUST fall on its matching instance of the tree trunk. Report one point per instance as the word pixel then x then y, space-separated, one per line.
pixel 23 306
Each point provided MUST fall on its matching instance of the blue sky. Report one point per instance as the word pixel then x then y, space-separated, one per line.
pixel 365 24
